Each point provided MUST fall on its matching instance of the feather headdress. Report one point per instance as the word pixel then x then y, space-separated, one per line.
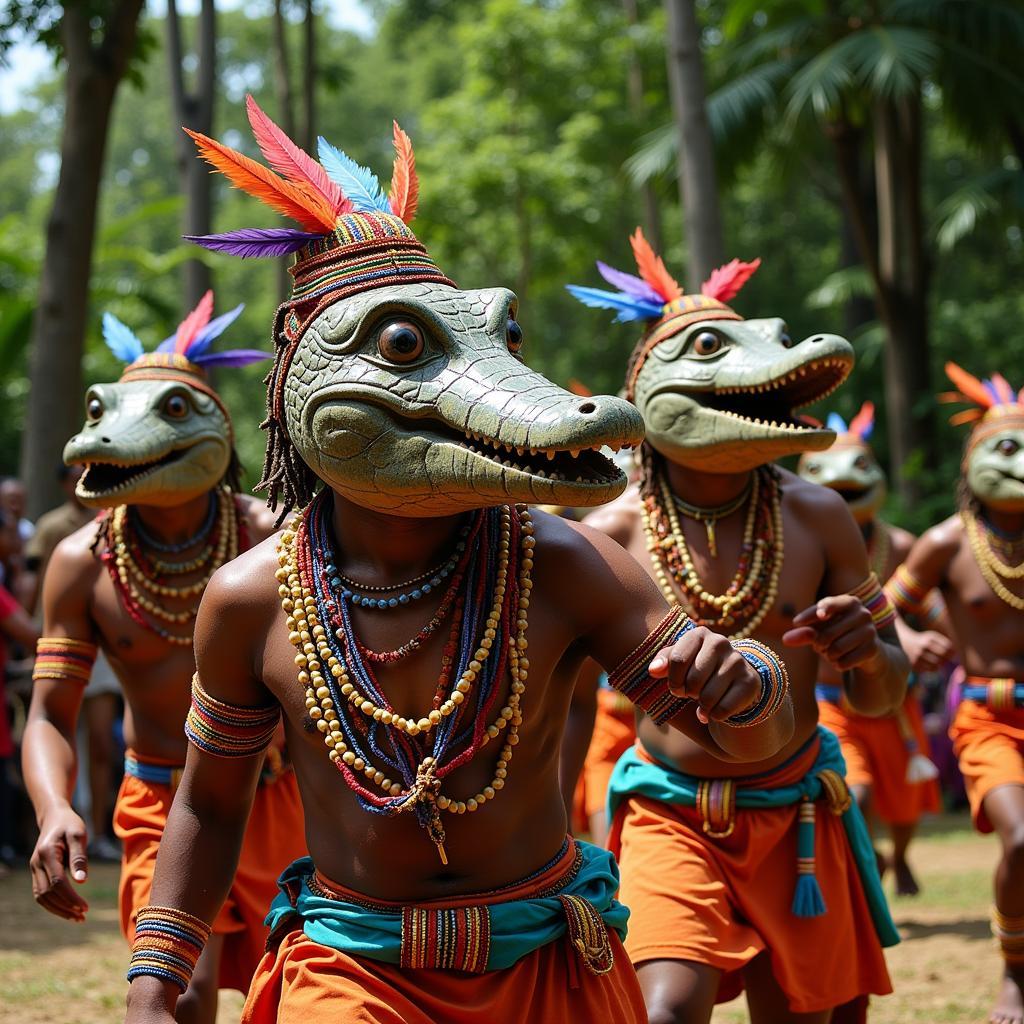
pixel 858 430
pixel 657 298
pixel 994 401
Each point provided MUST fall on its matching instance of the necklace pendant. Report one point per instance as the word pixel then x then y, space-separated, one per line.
pixel 440 852
pixel 709 525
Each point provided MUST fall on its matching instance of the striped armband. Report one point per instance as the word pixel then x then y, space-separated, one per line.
pixel 167 945
pixel 774 683
pixel 933 608
pixel 873 597
pixel 65 659
pixel 229 730
pixel 906 592
pixel 1009 934
pixel 632 680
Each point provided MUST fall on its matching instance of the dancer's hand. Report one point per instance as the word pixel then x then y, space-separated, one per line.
pixel 704 666
pixel 928 651
pixel 840 629
pixel 60 851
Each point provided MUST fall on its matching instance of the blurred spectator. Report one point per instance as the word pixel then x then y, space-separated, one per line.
pixel 13 498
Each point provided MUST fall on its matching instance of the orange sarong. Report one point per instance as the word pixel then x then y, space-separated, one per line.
pixel 989 744
pixel 722 901
pixel 274 837
pixel 877 757
pixel 302 980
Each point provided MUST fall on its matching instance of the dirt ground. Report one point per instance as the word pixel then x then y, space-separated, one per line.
pixel 944 971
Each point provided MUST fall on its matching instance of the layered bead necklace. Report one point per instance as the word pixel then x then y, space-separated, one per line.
pixel 395 762
pixel 754 586
pixel 984 542
pixel 145 582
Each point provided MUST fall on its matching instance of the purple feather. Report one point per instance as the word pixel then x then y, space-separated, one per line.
pixel 256 241
pixel 629 284
pixel 233 357
pixel 214 329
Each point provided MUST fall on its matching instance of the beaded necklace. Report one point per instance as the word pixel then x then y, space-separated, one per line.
pixel 407 758
pixel 129 563
pixel 710 516
pixel 754 586
pixel 991 565
pixel 176 549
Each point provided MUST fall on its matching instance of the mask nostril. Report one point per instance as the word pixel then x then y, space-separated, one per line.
pixel 587 408
pixel 817 337
pixel 105 440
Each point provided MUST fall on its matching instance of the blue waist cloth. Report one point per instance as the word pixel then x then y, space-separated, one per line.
pixel 828 694
pixel 979 693
pixel 156 774
pixel 517 927
pixel 634 776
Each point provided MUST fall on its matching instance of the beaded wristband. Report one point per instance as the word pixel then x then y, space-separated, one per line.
pixel 774 683
pixel 873 597
pixel 906 592
pixel 1009 933
pixel 229 730
pixel 168 944
pixel 62 658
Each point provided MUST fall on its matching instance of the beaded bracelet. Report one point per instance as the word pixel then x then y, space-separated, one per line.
pixel 1009 933
pixel 874 598
pixel 906 592
pixel 168 944
pixel 774 683
pixel 229 730
pixel 62 658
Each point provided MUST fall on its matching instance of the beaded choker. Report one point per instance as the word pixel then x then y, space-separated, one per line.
pixel 983 544
pixel 395 762
pixel 136 574
pixel 176 549
pixel 710 516
pixel 753 589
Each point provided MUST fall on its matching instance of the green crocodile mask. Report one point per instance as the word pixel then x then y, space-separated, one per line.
pixel 850 466
pixel 717 392
pixel 399 390
pixel 160 435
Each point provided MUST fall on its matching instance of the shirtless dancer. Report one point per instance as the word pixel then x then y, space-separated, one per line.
pixel 709 851
pixel 887 769
pixel 158 452
pixel 976 559
pixel 388 627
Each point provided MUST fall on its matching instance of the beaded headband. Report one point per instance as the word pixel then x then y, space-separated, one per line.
pixel 657 298
pixel 997 405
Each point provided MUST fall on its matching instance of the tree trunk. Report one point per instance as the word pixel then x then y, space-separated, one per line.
pixel 193 110
pixel 635 91
pixel 698 186
pixel 904 275
pixel 309 80
pixel 59 325
pixel 285 116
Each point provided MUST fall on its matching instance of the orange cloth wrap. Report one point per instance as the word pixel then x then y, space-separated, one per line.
pixel 990 748
pixel 614 734
pixel 301 980
pixel 719 901
pixel 876 756
pixel 274 837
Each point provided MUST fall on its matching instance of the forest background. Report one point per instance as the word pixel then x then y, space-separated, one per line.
pixel 869 153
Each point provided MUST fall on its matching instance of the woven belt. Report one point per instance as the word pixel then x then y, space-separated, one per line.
pixel 997 694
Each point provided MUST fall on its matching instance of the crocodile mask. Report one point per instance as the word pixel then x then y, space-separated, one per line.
pixel 850 466
pixel 160 435
pixel 401 391
pixel 993 463
pixel 717 392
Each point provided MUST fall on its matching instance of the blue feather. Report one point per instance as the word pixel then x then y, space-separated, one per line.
pixel 360 185
pixel 121 339
pixel 214 329
pixel 629 308
pixel 836 422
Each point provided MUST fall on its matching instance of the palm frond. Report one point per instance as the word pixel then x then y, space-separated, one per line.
pixel 656 155
pixel 840 287
pixel 742 105
pixel 959 213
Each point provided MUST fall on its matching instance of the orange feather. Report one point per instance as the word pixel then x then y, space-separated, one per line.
pixel 195 321
pixel 405 185
pixel 971 387
pixel 292 200
pixel 966 416
pixel 652 269
pixel 577 387
pixel 864 420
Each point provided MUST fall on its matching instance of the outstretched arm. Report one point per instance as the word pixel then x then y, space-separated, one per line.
pixel 203 836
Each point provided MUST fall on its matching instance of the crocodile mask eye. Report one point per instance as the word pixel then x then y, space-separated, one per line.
pixel 400 342
pixel 176 407
pixel 514 336
pixel 707 343
pixel 94 409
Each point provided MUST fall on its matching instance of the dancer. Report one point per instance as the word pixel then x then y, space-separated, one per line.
pixel 158 453
pixel 976 559
pixel 887 769
pixel 754 551
pixel 441 882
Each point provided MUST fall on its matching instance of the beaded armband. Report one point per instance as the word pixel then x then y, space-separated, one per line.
pixel 65 659
pixel 632 680
pixel 1009 933
pixel 906 592
pixel 228 730
pixel 874 598
pixel 774 683
pixel 167 945
pixel 933 608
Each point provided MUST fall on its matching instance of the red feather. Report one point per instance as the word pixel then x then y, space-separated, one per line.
pixel 294 163
pixel 405 185
pixel 726 282
pixel 971 387
pixel 294 201
pixel 193 323
pixel 651 268
pixel 862 423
